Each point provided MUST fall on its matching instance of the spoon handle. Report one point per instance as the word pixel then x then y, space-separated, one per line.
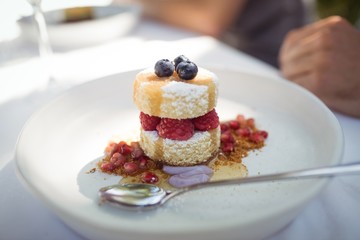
pixel 344 169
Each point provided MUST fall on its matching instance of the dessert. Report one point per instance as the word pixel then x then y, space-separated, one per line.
pixel 182 142
pixel 179 123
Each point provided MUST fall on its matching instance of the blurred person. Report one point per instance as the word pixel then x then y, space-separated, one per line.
pixel 256 27
pixel 324 57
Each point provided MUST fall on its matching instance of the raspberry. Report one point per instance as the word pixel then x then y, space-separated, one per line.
pixel 175 129
pixel 148 123
pixel 207 121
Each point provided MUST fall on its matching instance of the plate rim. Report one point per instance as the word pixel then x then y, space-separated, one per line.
pixel 38 112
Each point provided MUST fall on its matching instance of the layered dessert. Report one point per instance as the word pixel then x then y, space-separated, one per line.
pixel 179 123
pixel 181 140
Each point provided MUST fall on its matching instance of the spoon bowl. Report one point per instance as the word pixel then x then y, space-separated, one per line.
pixel 133 195
pixel 141 196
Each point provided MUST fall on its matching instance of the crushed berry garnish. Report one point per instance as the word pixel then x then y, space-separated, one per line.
pixel 238 137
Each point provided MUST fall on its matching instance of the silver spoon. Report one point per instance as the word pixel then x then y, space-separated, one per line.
pixel 140 196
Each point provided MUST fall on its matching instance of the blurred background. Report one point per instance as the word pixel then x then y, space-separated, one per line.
pixel 16 44
pixel 349 9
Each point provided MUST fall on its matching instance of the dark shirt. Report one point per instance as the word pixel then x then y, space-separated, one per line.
pixel 262 26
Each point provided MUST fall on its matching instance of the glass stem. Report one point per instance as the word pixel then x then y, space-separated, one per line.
pixel 45 49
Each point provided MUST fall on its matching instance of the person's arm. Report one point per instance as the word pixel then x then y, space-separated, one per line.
pixel 210 17
pixel 324 57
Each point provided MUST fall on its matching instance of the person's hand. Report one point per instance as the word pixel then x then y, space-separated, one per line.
pixel 324 57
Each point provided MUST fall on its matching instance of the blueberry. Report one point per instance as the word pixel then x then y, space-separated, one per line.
pixel 164 68
pixel 180 59
pixel 186 70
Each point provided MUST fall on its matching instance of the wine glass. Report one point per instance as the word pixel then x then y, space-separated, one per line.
pixel 45 50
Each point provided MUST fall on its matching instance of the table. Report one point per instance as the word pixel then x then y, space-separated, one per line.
pixel 333 214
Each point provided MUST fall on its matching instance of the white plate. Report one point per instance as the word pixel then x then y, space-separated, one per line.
pixel 108 23
pixel 62 141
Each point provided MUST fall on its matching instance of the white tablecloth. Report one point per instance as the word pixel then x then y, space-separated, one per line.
pixel 333 214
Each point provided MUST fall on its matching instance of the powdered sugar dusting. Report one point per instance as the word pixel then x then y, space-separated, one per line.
pixel 185 97
pixel 184 90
